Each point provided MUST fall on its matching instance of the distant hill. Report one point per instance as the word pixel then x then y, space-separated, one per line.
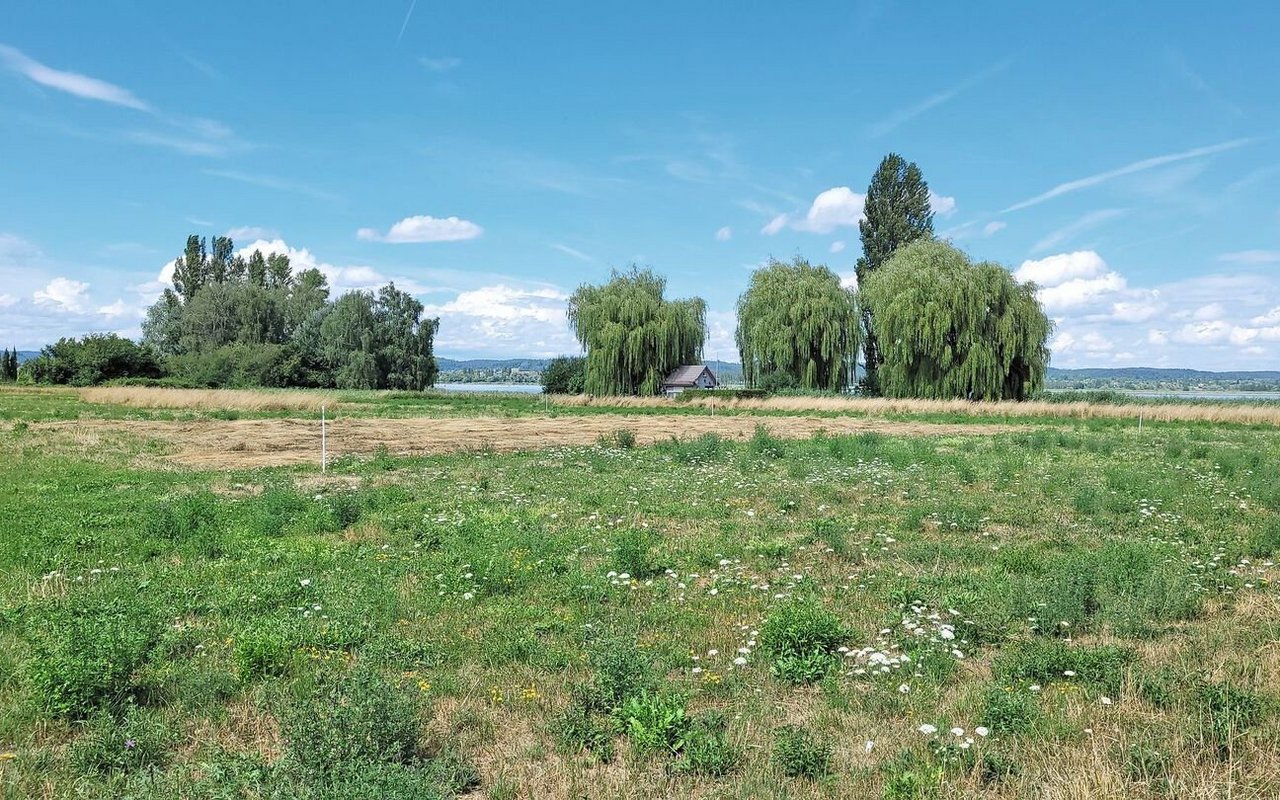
pixel 1154 374
pixel 27 355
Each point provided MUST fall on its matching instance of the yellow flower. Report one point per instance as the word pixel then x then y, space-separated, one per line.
pixel 424 685
pixel 8 756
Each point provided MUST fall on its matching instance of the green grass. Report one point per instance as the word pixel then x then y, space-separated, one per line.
pixel 725 618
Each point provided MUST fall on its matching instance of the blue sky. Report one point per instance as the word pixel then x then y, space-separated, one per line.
pixel 492 157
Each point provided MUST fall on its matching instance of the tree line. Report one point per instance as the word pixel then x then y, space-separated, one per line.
pixel 928 320
pixel 9 365
pixel 231 320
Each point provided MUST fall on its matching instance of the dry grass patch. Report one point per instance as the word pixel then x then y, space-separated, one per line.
pixel 1251 414
pixel 209 399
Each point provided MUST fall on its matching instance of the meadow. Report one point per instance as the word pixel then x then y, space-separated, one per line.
pixel 944 602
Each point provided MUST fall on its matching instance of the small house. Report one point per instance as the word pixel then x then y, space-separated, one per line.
pixel 694 376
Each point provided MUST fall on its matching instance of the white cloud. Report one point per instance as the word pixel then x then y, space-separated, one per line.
pixel 1251 257
pixel 834 208
pixel 441 64
pixel 992 228
pixel 64 294
pixel 1158 337
pixel 424 229
pixel 253 232
pixel 724 234
pixel 1058 269
pixel 1209 312
pixel 569 251
pixel 342 279
pixel 1272 317
pixel 7 300
pixel 849 280
pixel 776 224
pixel 836 247
pixel 70 82
pixel 942 206
pixel 1128 169
pixel 504 320
pixel 116 309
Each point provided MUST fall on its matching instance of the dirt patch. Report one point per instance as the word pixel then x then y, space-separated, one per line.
pixel 229 444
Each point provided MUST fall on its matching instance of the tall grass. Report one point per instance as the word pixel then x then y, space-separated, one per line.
pixel 1243 413
pixel 209 399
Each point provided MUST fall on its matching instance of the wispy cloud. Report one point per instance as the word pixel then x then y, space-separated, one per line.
pixel 70 82
pixel 904 115
pixel 1251 257
pixel 412 4
pixel 1128 169
pixel 1089 221
pixel 569 251
pixel 272 182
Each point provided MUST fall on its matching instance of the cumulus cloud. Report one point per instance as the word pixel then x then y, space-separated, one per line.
pixel 116 309
pixel 724 234
pixel 424 229
pixel 342 279
pixel 70 82
pixel 1058 269
pixel 504 319
pixel 835 208
pixel 64 294
pixel 942 206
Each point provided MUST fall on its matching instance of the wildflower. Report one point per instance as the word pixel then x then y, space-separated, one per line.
pixel 868 747
pixel 8 755
pixel 1070 673
pixel 467 595
pixel 740 661
pixel 305 582
pixel 129 744
pixel 981 730
pixel 904 688
pixel 927 729
pixel 1106 701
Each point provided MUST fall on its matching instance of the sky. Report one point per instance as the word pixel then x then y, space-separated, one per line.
pixel 490 158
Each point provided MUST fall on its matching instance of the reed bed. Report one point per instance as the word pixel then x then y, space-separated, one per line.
pixel 209 399
pixel 1240 413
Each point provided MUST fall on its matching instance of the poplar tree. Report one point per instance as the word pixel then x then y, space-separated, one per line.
pixel 896 212
pixel 797 326
pixel 632 334
pixel 951 328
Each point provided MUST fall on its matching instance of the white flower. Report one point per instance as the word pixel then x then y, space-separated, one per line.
pixel 1106 701
pixel 904 688
pixel 713 653
pixel 981 730
pixel 696 670
pixel 740 661
pixel 1070 673
pixel 957 731
pixel 305 582
pixel 869 746
pixel 467 595
pixel 927 729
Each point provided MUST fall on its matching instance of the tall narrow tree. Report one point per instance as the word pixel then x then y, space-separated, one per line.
pixel 632 334
pixel 896 212
pixel 952 328
pixel 797 326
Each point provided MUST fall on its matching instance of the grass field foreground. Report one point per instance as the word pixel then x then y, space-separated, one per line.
pixel 1076 610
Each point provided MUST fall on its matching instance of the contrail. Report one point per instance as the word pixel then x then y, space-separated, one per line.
pixel 405 24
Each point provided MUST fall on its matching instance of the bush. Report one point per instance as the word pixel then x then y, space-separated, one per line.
pixel 802 638
pixel 353 719
pixel 92 360
pixel 800 753
pixel 621 439
pixel 565 375
pixel 762 445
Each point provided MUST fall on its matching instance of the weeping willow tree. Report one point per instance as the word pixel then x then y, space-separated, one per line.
pixel 952 328
pixel 797 326
pixel 633 336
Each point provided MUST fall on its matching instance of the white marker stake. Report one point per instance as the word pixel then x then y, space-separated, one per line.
pixel 1139 422
pixel 324 442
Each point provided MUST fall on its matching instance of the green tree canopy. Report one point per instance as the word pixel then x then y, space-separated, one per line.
pixel 797 326
pixel 952 328
pixel 565 375
pixel 633 335
pixel 896 212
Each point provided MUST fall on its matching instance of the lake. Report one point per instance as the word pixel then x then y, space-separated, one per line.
pixel 504 388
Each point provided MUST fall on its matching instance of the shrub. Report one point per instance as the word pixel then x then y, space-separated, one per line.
pixel 352 719
pixel 707 749
pixel 802 638
pixel 134 741
pixel 565 375
pixel 620 438
pixel 763 445
pixel 800 753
